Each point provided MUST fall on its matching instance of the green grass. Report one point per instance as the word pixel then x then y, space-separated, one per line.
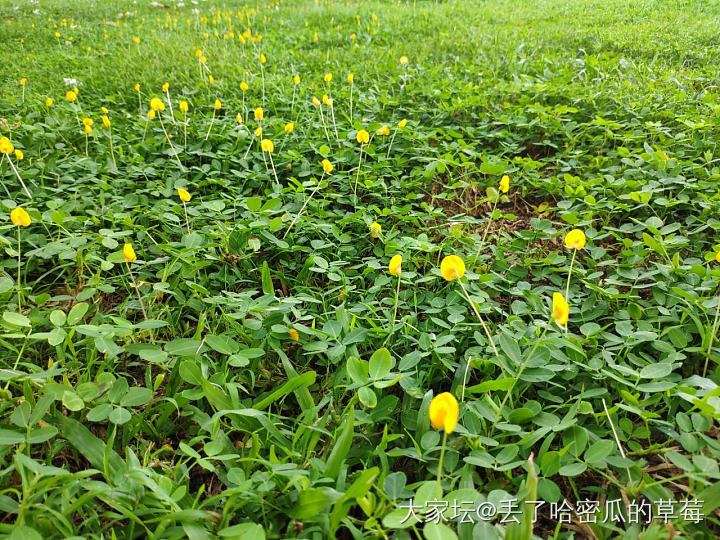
pixel 206 418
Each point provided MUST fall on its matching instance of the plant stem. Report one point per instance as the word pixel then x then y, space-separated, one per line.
pixel 18 175
pixel 137 290
pixel 392 140
pixel 440 465
pixel 18 273
pixel 357 177
pixel 112 151
pixel 273 168
pixel 187 221
pixel 182 168
pixel 397 296
pixel 212 121
pixel 304 205
pixel 477 313
pixel 487 229
pixel 567 287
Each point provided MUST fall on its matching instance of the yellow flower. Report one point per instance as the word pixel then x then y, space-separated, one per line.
pixel 403 60
pixel 19 155
pixel 505 183
pixel 315 101
pixel 48 102
pixel 296 79
pixel 129 253
pixel 259 113
pixel 363 137
pixel 328 77
pixel 106 121
pixel 383 131
pixel 157 104
pixel 88 130
pixel 262 58
pixel 444 411
pixel 211 79
pixel 717 256
pixel 184 106
pixel 375 229
pixel 6 147
pixel 165 87
pixel 350 78
pixel 575 239
pixel 136 39
pixel 289 127
pixel 57 34
pixel 70 95
pixel 151 114
pixel 402 123
pixel 184 195
pixel 104 110
pixel 328 167
pixel 238 118
pixel 327 101
pixel 136 87
pixel 395 264
pixel 88 121
pixel 198 53
pixel 452 267
pixel 244 86
pixel 23 81
pixel 294 334
pixel 75 89
pixel 218 105
pixel 267 145
pixel 560 309
pixel 258 131
pixel 19 217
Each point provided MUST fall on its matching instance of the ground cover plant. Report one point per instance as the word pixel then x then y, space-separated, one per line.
pixel 324 269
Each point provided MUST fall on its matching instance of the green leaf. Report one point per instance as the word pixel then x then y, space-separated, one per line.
pixel 438 531
pixel 76 314
pixel 267 283
pixel 58 317
pixel 222 344
pixel 306 379
pixel 596 454
pixel 656 371
pixel 341 447
pixel 381 363
pixel 492 386
pixel 511 348
pixel 16 319
pixel 253 204
pixel 367 397
pixel 358 370
pixel 311 502
pixel 71 401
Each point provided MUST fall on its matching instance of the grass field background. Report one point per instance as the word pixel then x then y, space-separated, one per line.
pixel 257 372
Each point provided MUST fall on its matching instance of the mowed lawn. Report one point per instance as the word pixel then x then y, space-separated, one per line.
pixel 359 269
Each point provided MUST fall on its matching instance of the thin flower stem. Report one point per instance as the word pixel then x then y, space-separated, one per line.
pixel 86 145
pixel 292 105
pixel 337 137
pixel 18 273
pixel 187 221
pixel 18 175
pixel 273 168
pixel 712 337
pixel 440 465
pixel 351 102
pixel 248 148
pixel 392 140
pixel 182 168
pixel 357 178
pixel 567 287
pixel 487 229
pixel 137 290
pixel 212 121
pixel 397 296
pixel 185 125
pixel 322 117
pixel 172 113
pixel 262 74
pixel 304 205
pixel 477 313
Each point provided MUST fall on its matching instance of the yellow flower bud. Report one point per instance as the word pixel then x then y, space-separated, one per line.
pixel 452 267
pixel 129 253
pixel 444 412
pixel 184 195
pixel 19 217
pixel 395 265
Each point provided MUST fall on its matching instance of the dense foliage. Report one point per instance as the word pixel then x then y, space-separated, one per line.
pixel 202 331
